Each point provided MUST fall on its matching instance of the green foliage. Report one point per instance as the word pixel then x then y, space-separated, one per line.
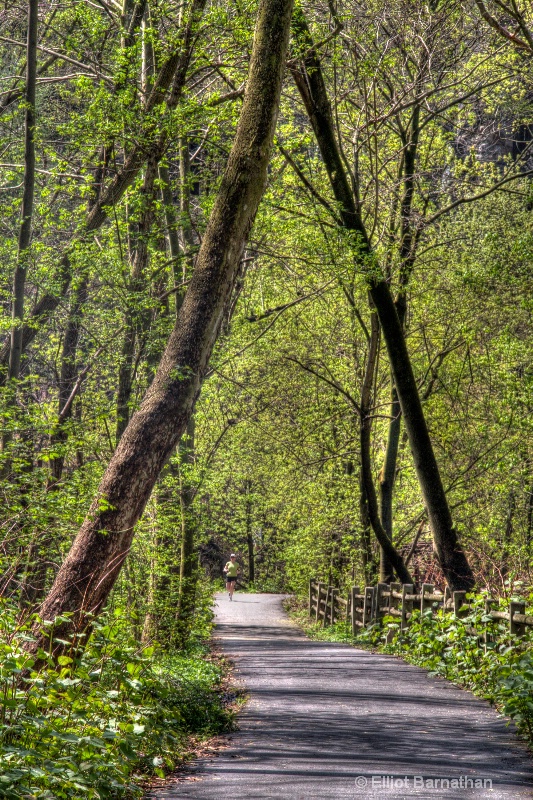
pixel 276 457
pixel 96 725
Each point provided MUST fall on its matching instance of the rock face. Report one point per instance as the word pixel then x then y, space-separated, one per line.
pixel 495 140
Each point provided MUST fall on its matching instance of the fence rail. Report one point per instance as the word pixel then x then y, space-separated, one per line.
pixel 362 608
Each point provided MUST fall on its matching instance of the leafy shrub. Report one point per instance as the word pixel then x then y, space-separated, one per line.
pixel 92 726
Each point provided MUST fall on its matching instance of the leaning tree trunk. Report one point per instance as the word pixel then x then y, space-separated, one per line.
pixel 309 80
pixel 103 542
pixel 451 555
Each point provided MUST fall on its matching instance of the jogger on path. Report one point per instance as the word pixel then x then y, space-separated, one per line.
pixel 231 571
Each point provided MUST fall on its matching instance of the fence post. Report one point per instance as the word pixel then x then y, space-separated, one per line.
pixel 318 599
pixel 458 603
pixel 353 608
pixel 427 588
pixel 378 598
pixel 447 598
pixel 368 604
pixel 325 618
pixel 311 585
pixel 393 601
pixel 333 600
pixel 516 607
pixel 407 605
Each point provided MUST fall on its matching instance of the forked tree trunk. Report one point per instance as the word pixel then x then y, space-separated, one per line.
pixel 367 479
pixel 103 542
pixel 451 555
pixel 407 251
pixel 310 82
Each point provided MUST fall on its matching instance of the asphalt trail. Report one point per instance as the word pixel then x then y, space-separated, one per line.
pixel 328 721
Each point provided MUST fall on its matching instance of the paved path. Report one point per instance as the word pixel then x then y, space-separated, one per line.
pixel 323 719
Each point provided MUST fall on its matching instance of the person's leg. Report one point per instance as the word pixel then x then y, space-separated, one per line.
pixel 232 589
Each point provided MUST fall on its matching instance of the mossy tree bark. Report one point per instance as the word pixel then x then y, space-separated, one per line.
pixel 103 542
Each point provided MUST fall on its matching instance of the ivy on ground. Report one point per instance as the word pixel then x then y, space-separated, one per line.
pixel 97 725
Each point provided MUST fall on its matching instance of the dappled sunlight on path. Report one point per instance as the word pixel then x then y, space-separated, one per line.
pixel 329 721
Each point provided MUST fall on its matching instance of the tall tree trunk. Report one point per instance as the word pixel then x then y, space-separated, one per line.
pixel 529 516
pixel 38 562
pixel 24 239
pixel 14 347
pixel 386 479
pixel 250 546
pixel 249 532
pixel 186 235
pixel 68 375
pixel 180 243
pixel 508 536
pixel 173 627
pixel 135 322
pixel 366 532
pixel 172 228
pixel 309 80
pixel 189 555
pixel 103 542
pixel 171 76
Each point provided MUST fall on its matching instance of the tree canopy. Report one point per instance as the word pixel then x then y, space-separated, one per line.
pixel 365 409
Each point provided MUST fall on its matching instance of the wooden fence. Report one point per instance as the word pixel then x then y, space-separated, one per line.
pixel 363 608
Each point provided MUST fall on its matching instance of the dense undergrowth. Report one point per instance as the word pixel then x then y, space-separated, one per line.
pixel 99 725
pixel 500 671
